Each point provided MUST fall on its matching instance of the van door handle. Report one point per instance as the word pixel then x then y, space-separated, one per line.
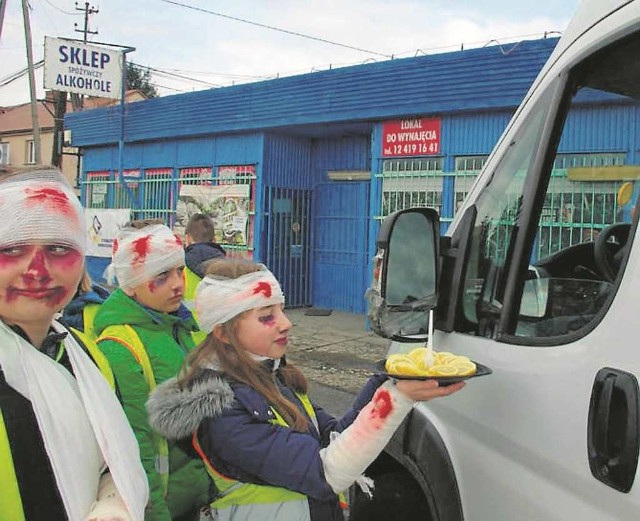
pixel 613 441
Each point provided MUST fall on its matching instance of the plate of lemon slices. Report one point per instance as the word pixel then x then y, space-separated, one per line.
pixel 443 366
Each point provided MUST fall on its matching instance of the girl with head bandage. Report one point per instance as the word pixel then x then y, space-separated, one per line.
pixel 54 402
pixel 270 452
pixel 145 332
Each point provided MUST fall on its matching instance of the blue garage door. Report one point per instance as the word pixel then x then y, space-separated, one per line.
pixel 340 246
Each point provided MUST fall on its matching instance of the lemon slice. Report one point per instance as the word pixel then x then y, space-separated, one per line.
pixel 465 368
pixel 417 355
pixel 443 370
pixel 443 358
pixel 402 365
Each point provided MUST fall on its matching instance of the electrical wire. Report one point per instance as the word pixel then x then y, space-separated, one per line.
pixel 19 74
pixel 264 26
pixel 62 10
pixel 173 75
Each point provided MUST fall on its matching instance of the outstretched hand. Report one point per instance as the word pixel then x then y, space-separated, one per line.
pixel 425 390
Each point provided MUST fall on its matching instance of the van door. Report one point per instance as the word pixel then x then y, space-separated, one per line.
pixel 550 301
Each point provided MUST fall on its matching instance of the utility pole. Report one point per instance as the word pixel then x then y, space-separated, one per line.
pixel 3 7
pixel 60 107
pixel 32 83
pixel 88 10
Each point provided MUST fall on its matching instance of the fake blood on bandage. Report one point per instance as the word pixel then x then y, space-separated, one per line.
pixel 264 288
pixel 382 404
pixel 52 199
pixel 141 248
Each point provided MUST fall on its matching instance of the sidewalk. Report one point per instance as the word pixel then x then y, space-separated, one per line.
pixel 334 350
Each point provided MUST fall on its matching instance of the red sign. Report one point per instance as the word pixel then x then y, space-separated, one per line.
pixel 411 137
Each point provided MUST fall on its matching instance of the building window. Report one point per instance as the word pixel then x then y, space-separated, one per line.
pixel 4 153
pixel 31 152
pixel 412 182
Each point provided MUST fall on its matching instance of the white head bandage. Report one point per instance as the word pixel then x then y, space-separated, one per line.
pixel 40 206
pixel 219 299
pixel 141 254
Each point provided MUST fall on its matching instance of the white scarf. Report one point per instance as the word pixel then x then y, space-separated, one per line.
pixel 82 424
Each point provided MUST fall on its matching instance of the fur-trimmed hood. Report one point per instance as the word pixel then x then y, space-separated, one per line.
pixel 176 413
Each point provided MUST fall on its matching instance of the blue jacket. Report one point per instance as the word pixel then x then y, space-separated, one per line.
pixel 234 430
pixel 72 315
pixel 199 253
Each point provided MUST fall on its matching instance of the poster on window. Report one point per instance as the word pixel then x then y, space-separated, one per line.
pixel 228 205
pixel 102 228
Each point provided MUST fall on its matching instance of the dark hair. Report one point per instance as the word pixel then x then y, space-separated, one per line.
pixel 200 228
pixel 238 364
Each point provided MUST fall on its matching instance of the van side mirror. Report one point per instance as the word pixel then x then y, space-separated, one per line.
pixel 405 273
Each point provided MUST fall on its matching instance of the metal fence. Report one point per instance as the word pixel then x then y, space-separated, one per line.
pixel 156 194
pixel 574 210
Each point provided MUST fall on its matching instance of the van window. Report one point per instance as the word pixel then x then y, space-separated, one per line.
pixel 582 203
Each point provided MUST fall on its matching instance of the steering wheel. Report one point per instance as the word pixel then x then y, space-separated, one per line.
pixel 608 249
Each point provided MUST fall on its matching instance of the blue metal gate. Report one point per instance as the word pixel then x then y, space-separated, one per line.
pixel 340 246
pixel 287 241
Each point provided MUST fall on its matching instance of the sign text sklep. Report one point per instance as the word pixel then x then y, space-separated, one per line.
pixel 411 137
pixel 81 68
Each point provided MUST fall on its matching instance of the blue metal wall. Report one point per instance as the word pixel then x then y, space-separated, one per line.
pixel 287 162
pixel 600 129
pixel 492 77
pixel 471 134
pixel 205 151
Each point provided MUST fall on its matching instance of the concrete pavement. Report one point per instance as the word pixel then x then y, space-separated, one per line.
pixel 334 350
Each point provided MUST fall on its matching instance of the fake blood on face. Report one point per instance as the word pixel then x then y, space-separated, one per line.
pixel 42 273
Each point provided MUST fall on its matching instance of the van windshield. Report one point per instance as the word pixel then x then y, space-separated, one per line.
pixel 573 210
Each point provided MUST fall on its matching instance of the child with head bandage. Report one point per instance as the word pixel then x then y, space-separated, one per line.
pixel 145 333
pixel 67 449
pixel 270 452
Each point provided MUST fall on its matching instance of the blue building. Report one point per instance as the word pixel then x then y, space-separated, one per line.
pixel 299 171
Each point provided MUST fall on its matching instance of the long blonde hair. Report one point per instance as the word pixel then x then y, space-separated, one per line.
pixel 237 363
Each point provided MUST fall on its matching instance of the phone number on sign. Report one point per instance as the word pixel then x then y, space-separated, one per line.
pixel 415 148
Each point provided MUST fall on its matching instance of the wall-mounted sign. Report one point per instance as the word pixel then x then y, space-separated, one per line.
pixel 102 228
pixel 81 68
pixel 411 137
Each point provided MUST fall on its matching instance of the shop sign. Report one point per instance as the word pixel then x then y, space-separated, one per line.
pixel 411 137
pixel 81 68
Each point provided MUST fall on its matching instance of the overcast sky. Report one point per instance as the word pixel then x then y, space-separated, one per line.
pixel 222 42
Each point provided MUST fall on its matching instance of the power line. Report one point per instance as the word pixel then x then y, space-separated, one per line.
pixel 173 75
pixel 61 10
pixel 209 73
pixel 286 31
pixel 19 74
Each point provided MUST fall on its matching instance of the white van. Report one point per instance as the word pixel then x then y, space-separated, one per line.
pixel 553 309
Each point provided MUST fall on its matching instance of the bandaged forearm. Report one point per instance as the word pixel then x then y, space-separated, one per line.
pixel 349 454
pixel 109 505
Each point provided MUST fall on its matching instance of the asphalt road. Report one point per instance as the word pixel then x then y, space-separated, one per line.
pixel 335 401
